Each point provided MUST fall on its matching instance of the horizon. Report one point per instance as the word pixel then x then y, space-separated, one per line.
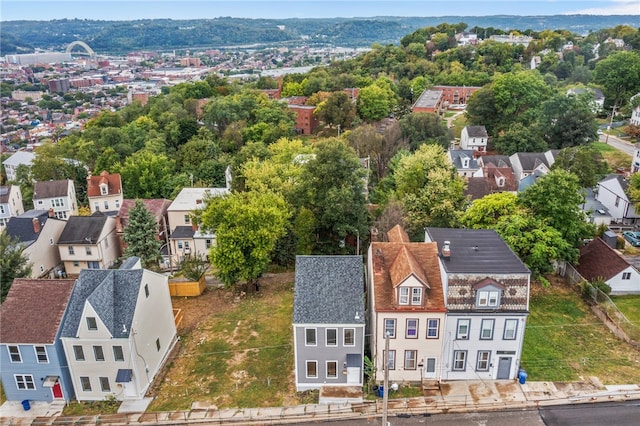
pixel 127 10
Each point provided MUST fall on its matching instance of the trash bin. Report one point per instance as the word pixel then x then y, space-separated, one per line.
pixel 522 376
pixel 26 405
pixel 381 391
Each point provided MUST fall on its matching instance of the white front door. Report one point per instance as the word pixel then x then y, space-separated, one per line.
pixel 353 375
pixel 430 368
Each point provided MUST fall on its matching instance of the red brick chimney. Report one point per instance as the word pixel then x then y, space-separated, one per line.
pixel 52 213
pixel 36 225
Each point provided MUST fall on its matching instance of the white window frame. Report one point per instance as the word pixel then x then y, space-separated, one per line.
pixel 459 361
pixel 486 328
pixel 416 296
pixel 463 322
pixel 433 325
pixel 98 353
pixel 307 341
pixel 87 250
pixel 118 354
pixel 309 363
pixel 345 341
pixel 335 336
pixel 24 381
pixel 403 295
pixel 14 355
pixel 412 326
pixel 85 384
pixel 430 364
pixel 41 354
pixel 79 350
pixel 391 359
pixel 328 376
pixel 90 326
pixel 104 381
pixel 507 329
pixel 387 322
pixel 626 275
pixel 410 359
pixel 488 299
pixel 483 361
pixel 71 250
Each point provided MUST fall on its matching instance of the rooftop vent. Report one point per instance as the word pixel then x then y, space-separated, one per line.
pixel 446 250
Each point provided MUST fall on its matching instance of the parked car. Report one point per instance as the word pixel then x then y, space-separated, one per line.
pixel 632 237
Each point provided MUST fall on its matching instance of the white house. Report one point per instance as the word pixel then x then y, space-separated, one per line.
pixel 105 192
pixel 118 331
pixel 10 204
pixel 599 261
pixel 612 193
pixel 19 158
pixel 56 195
pixel 474 138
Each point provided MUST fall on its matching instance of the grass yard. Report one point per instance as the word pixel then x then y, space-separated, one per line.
pixel 614 157
pixel 564 341
pixel 629 306
pixel 240 355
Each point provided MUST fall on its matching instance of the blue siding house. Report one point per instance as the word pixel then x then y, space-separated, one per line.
pixel 34 366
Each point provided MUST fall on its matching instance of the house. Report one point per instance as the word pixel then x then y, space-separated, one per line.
pixel 456 95
pixel 474 138
pixel 594 210
pixel 599 261
pixel 486 294
pixel 157 207
pixel 118 331
pixel 306 120
pixel 20 158
pixel 406 305
pixel 612 193
pixel 59 195
pixel 635 162
pixel 105 193
pixel 10 203
pixel 89 242
pixel 329 322
pixel 430 101
pixel 186 237
pixel 494 179
pixel 33 363
pixel 37 233
pixel 597 97
pixel 525 163
pixel 465 162
pixel 635 112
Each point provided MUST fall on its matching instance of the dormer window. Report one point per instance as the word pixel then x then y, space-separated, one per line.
pixel 104 189
pixel 410 296
pixel 488 299
pixel 488 294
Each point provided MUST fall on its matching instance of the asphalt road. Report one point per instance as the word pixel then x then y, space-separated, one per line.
pixel 619 144
pixel 618 414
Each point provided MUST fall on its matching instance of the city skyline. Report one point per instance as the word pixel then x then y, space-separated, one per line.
pixel 42 10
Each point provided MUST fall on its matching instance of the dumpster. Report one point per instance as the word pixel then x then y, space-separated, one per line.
pixel 26 405
pixel 381 391
pixel 522 376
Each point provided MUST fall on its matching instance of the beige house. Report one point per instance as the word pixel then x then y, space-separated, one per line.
pixel 10 204
pixel 105 192
pixel 59 195
pixel 89 242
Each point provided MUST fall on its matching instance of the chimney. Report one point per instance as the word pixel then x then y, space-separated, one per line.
pixel 36 225
pixel 374 234
pixel 446 250
pixel 51 213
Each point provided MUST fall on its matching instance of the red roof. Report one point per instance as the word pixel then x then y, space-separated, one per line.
pixel 599 260
pixel 113 181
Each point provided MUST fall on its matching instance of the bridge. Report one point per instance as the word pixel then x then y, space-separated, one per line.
pixel 87 50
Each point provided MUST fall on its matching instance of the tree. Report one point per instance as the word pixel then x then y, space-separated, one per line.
pixel 146 175
pixel 518 138
pixel 13 263
pixel 619 76
pixel 424 127
pixel 584 161
pixel 374 102
pixel 485 212
pixel 567 121
pixel 247 226
pixel 337 110
pixel 140 236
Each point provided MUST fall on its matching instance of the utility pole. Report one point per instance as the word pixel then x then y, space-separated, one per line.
pixel 385 389
pixel 613 113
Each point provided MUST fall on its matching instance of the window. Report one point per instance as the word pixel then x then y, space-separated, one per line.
pixel 310 337
pixel 486 329
pixel 463 329
pixel 416 296
pixel 510 329
pixel 41 354
pixel 118 354
pixel 488 299
pixel 332 337
pixel 14 354
pixel 332 369
pixel 104 384
pixel 312 369
pixel 626 275
pixel 146 290
pixel 410 358
pixel 71 251
pixel 617 201
pixel 180 244
pixel 98 353
pixel 404 296
pixel 78 352
pixel 96 206
pixel 106 205
pixel 85 383
pixel 187 219
pixel 51 241
pixel 1 209
pixel 207 243
pixel 483 360
pixel 349 337
pixel 117 204
pixel 459 360
pixel 24 381
pixel 412 329
pixel 93 265
pixel 158 344
pixel 76 263
pixel 390 328
pixel 92 324
pixel 433 327
pixel 87 250
pixel 391 360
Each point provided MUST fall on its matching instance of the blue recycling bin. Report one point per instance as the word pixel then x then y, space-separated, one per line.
pixel 522 376
pixel 26 405
pixel 381 391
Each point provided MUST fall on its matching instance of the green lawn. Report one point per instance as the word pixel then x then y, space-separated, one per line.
pixel 629 306
pixel 564 341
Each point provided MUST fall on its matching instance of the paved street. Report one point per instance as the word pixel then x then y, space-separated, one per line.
pixel 619 144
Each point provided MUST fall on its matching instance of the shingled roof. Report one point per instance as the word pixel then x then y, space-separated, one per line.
pixel 83 229
pixel 26 317
pixel 22 227
pixel 50 189
pixel 113 181
pixel 329 290
pixel 598 260
pixel 477 132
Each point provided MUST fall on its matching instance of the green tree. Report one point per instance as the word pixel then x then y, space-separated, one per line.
pixel 337 110
pixel 374 102
pixel 485 212
pixel 519 138
pixel 13 263
pixel 567 121
pixel 584 161
pixel 247 226
pixel 140 236
pixel 619 76
pixel 146 175
pixel 424 127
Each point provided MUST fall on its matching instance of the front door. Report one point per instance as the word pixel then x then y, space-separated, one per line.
pixel 57 391
pixel 353 375
pixel 504 367
pixel 430 368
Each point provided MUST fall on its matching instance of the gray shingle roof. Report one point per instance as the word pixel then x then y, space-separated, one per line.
pixel 531 160
pixel 183 232
pixel 21 227
pixel 457 156
pixel 329 290
pixel 112 293
pixel 492 256
pixel 83 229
pixel 51 188
pixel 477 131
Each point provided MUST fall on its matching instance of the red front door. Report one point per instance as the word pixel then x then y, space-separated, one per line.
pixel 57 391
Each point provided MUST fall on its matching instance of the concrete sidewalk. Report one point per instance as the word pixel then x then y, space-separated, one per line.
pixel 453 396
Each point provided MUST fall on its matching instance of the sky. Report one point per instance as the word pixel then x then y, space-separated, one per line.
pixel 12 10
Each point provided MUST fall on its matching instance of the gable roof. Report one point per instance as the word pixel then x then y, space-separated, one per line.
pixel 397 234
pixel 5 192
pixel 39 324
pixel 477 187
pixel 476 251
pixel 20 157
pixel 531 160
pixel 476 131
pixel 597 260
pixel 156 206
pixel 420 259
pixel 113 294
pixel 21 227
pixel 497 160
pixel 458 155
pixel 329 290
pixel 113 181
pixel 83 229
pixel 51 188
pixel 193 198
pixel 624 183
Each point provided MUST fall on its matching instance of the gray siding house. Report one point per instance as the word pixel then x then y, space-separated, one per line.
pixel 328 321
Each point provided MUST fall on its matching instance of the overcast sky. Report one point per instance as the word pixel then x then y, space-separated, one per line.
pixel 11 10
